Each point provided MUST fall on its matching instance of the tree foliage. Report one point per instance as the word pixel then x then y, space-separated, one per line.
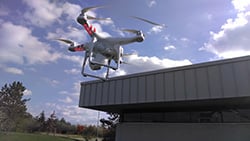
pixel 41 119
pixel 12 106
pixel 14 117
pixel 109 126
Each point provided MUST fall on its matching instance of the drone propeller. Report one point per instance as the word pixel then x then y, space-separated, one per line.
pixel 84 10
pixel 66 41
pixel 148 21
pixel 132 31
pixel 94 18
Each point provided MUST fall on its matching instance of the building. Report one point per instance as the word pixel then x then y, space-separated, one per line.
pixel 208 101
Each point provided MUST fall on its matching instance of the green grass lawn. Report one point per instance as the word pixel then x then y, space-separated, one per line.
pixel 30 137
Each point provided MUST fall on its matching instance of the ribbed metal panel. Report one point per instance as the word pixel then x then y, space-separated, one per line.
pixel 214 80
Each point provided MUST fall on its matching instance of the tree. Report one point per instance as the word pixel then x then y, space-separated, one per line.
pixel 28 124
pixel 110 126
pixel 79 129
pixel 12 105
pixel 89 132
pixel 41 119
pixel 51 123
pixel 64 127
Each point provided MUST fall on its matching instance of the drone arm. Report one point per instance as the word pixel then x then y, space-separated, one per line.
pixel 76 48
pixel 81 19
pixel 84 63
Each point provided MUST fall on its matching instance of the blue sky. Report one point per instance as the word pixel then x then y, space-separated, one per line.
pixel 197 31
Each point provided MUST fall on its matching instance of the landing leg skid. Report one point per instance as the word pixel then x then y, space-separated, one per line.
pixel 95 76
pixel 108 66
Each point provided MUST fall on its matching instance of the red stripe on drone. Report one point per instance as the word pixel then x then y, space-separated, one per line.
pixel 89 29
pixel 79 48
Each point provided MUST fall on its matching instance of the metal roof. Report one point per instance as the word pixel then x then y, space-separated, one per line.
pixel 219 84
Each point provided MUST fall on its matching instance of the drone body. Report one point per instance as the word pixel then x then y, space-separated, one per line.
pixel 101 51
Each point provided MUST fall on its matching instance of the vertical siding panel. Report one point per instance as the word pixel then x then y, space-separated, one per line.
pixel 112 92
pixel 179 85
pixel 105 93
pixel 228 80
pixel 169 86
pixel 87 95
pixel 93 94
pixel 241 76
pixel 99 94
pixel 159 87
pixel 118 92
pixel 82 94
pixel 202 83
pixel 248 72
pixel 141 90
pixel 126 91
pixel 190 83
pixel 150 88
pixel 215 82
pixel 133 90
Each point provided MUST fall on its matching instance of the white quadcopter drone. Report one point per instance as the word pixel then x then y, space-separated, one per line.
pixel 101 51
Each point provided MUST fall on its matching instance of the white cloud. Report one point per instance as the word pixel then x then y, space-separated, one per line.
pixel 51 82
pixel 74 58
pixel 73 71
pixel 233 38
pixel 66 100
pixel 70 33
pixel 73 93
pixel 169 47
pixel 23 48
pixel 54 82
pixel 151 3
pixel 64 92
pixel 99 30
pixel 241 5
pixel 78 35
pixel 138 64
pixel 42 13
pixel 183 39
pixel 11 70
pixel 209 17
pixel 71 10
pixel 27 92
pixel 156 29
pixel 76 89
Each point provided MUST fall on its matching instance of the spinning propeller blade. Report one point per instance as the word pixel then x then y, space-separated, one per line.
pixel 84 10
pixel 128 54
pixel 131 30
pixel 90 17
pixel 94 18
pixel 66 41
pixel 148 21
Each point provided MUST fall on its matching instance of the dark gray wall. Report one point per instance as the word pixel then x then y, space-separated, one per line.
pixel 182 132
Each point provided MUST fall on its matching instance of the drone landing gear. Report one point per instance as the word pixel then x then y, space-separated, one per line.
pixel 108 66
pixel 94 76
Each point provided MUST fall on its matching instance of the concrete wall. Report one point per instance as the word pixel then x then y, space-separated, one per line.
pixel 183 132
